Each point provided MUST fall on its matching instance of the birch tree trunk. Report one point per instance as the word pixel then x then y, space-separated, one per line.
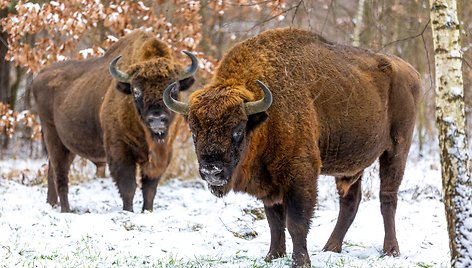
pixel 450 119
pixel 358 24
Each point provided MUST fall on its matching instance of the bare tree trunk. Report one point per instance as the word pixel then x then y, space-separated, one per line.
pixel 358 23
pixel 4 64
pixel 19 73
pixel 450 118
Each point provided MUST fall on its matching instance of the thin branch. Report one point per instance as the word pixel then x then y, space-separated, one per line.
pixel 406 38
pixel 326 18
pixel 252 4
pixel 296 10
pixel 275 16
pixel 431 84
pixel 308 12
pixel 3 42
pixel 464 60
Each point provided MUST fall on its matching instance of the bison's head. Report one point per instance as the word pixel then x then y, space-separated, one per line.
pixel 146 82
pixel 222 119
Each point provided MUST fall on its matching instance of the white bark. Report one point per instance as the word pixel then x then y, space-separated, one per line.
pixel 450 118
pixel 359 20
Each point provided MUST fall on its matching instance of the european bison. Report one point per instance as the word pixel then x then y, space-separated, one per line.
pixel 120 121
pixel 322 108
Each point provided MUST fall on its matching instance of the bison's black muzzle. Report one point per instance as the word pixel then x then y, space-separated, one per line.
pixel 158 124
pixel 213 174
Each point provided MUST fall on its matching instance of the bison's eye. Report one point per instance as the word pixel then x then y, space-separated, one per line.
pixel 137 93
pixel 238 134
pixel 194 137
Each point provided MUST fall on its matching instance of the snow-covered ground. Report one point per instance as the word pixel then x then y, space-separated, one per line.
pixel 189 227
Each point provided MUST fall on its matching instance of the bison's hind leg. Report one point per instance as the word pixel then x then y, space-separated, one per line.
pixel 392 166
pixel 52 192
pixel 101 168
pixel 60 159
pixel 349 189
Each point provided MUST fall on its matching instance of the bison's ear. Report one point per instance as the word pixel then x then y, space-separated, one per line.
pixel 186 83
pixel 123 87
pixel 255 120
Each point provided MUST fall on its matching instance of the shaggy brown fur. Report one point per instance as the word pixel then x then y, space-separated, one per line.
pixel 85 112
pixel 336 109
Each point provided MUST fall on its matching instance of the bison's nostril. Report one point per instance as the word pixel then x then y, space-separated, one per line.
pixel 211 170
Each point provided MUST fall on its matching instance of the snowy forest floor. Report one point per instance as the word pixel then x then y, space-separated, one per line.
pixel 189 227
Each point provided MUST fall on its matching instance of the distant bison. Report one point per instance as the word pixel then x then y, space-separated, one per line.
pixel 322 108
pixel 122 121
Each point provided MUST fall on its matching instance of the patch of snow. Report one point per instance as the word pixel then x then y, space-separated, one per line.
pixel 142 6
pixel 456 91
pixel 456 54
pixel 113 16
pixel 14 19
pixel 61 57
pixel 112 38
pixel 189 41
pixel 191 226
pixel 32 7
pixel 86 52
pixel 448 120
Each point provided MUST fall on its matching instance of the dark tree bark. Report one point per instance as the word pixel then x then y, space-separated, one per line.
pixel 5 93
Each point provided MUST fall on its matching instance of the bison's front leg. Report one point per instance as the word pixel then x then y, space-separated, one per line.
pixel 123 170
pixel 276 218
pixel 300 201
pixel 149 191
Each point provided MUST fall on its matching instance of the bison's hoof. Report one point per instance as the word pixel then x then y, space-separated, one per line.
pixel 301 260
pixel 53 202
pixel 395 252
pixel 333 247
pixel 127 208
pixel 65 210
pixel 274 255
pixel 391 249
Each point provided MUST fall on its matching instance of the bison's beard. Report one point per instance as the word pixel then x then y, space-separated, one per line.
pixel 159 136
pixel 218 191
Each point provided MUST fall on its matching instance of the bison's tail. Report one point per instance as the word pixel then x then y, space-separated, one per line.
pixel 43 143
pixel 31 100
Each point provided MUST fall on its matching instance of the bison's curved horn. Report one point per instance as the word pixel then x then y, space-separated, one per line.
pixel 174 105
pixel 117 74
pixel 192 69
pixel 261 105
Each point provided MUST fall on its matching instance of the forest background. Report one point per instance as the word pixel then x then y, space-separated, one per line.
pixel 35 34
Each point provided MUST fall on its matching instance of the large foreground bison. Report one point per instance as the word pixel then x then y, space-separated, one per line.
pixel 286 106
pixel 118 119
